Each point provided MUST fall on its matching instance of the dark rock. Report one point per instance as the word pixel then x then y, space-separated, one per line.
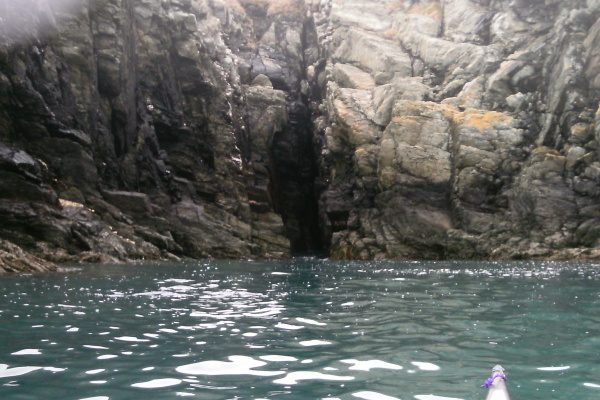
pixel 14 259
pixel 151 129
pixel 75 135
pixel 129 202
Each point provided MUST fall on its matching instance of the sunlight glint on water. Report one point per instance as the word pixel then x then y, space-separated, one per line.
pixel 304 329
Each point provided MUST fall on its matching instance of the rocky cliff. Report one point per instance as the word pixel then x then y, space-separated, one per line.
pixel 148 129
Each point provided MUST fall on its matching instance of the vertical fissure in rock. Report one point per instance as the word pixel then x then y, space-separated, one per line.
pixel 293 181
pixel 294 165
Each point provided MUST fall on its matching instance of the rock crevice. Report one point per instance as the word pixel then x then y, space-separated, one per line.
pixel 422 129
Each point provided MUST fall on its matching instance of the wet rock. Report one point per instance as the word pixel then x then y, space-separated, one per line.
pixel 14 259
pixel 422 129
pixel 139 102
pixel 129 202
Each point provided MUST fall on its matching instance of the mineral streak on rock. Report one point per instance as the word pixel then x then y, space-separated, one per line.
pixel 421 129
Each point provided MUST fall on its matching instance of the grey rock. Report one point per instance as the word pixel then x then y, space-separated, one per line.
pixel 368 129
pixel 370 52
pixel 129 202
pixel 262 80
pixel 347 76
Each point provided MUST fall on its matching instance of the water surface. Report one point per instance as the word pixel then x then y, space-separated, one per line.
pixel 303 329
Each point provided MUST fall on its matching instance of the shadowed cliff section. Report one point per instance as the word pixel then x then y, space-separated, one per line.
pixel 281 40
pixel 417 129
pixel 124 136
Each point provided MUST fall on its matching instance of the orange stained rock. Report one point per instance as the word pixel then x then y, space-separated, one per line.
pixel 482 120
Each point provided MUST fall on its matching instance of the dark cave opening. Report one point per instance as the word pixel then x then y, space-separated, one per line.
pixel 293 161
pixel 293 182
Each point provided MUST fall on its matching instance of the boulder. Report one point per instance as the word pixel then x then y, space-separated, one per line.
pixel 370 52
pixel 129 202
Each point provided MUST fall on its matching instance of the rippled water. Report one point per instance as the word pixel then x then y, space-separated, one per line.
pixel 304 329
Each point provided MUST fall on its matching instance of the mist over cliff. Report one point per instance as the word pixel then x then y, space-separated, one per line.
pixel 359 129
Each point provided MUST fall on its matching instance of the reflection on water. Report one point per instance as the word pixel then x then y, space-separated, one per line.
pixel 301 330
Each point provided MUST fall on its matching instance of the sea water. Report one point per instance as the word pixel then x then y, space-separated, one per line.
pixel 301 329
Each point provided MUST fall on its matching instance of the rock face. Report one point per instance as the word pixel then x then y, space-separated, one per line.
pixel 127 133
pixel 147 129
pixel 459 129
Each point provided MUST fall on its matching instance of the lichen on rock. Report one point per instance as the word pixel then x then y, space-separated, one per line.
pixel 150 129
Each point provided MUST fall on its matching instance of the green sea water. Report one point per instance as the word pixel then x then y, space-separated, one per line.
pixel 301 329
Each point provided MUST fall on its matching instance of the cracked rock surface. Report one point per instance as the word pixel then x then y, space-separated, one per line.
pixel 373 129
